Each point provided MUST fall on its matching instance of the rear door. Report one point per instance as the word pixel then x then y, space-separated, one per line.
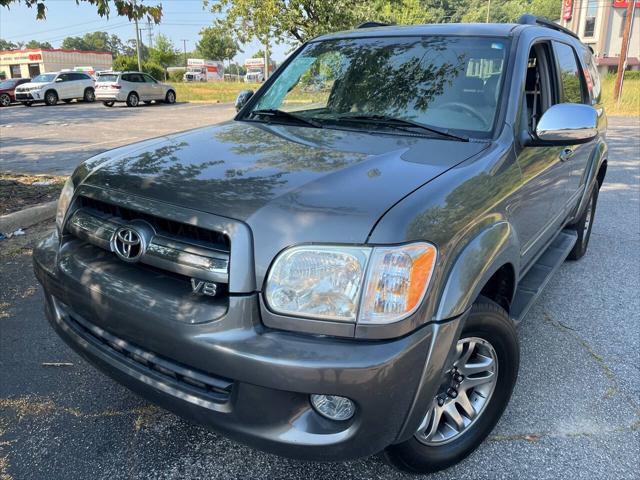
pixel 572 88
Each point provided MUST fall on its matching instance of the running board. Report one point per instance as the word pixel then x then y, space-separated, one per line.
pixel 532 284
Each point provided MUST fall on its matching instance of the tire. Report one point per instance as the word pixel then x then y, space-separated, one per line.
pixel 108 103
pixel 133 100
pixel 170 98
pixel 490 328
pixel 51 98
pixel 583 226
pixel 89 95
pixel 5 100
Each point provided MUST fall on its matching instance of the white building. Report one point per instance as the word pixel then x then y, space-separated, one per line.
pixel 599 24
pixel 34 61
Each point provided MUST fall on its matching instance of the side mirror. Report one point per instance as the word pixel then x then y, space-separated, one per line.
pixel 242 99
pixel 568 123
pixel 59 79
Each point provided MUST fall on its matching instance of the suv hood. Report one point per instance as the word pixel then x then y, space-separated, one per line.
pixel 32 85
pixel 292 183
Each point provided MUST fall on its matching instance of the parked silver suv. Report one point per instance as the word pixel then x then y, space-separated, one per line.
pixel 132 88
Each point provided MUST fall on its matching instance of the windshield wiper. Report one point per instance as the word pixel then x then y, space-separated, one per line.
pixel 274 113
pixel 402 124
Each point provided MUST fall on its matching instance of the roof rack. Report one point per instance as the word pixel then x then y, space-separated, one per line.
pixel 530 19
pixel 373 24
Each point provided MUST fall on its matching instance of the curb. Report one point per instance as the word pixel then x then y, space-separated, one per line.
pixel 27 217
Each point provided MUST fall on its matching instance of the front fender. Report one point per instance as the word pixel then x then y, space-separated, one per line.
pixel 489 250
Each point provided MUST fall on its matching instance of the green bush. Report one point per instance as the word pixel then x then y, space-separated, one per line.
pixel 154 69
pixel 176 76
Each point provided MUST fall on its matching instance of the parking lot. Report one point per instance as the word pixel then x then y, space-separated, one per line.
pixel 575 411
pixel 53 140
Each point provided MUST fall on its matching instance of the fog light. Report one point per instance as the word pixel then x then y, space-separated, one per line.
pixel 333 407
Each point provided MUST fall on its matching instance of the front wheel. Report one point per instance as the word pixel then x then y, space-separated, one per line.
pixel 5 100
pixel 472 397
pixel 51 98
pixel 170 97
pixel 133 100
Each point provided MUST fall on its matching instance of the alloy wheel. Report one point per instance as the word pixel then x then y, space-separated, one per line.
pixel 465 392
pixel 5 100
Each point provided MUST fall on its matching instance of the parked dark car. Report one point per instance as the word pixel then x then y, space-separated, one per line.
pixel 8 90
pixel 340 270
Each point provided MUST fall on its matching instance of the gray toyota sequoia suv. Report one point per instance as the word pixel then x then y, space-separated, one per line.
pixel 340 269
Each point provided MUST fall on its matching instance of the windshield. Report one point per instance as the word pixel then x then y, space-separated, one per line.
pixel 108 77
pixel 444 82
pixel 44 78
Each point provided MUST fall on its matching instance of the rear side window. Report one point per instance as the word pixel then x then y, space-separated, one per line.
pixel 571 79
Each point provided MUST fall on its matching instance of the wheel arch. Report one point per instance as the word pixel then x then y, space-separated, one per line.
pixel 488 264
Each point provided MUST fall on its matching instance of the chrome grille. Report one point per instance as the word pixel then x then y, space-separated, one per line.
pixel 176 247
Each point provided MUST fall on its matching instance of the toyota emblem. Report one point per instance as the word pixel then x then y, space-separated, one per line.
pixel 129 243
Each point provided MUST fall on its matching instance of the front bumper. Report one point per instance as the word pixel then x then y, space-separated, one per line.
pixel 28 96
pixel 238 377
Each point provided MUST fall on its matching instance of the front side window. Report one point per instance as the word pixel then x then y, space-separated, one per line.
pixel 590 18
pixel 149 79
pixel 570 74
pixel 447 82
pixel 44 78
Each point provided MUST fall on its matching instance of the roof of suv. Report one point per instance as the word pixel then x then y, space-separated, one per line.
pixel 467 29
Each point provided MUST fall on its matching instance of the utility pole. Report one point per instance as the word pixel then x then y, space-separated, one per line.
pixel 150 32
pixel 266 57
pixel 184 45
pixel 488 10
pixel 626 38
pixel 138 44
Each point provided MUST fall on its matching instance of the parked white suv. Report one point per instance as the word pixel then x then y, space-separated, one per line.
pixel 54 86
pixel 133 88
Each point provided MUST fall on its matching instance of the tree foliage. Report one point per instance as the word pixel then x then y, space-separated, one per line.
pixel 217 44
pixel 37 44
pixel 296 21
pixel 125 8
pixel 163 52
pixel 7 45
pixel 95 41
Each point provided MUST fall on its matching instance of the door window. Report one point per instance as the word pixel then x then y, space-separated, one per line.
pixel 149 79
pixel 571 79
pixel 64 77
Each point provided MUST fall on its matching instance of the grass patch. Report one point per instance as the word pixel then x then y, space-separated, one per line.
pixel 211 92
pixel 629 102
pixel 220 92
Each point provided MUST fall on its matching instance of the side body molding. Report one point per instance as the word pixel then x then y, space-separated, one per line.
pixel 490 249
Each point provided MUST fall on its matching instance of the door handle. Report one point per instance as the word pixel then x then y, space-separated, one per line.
pixel 566 154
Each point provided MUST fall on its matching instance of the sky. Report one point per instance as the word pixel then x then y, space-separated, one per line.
pixel 182 19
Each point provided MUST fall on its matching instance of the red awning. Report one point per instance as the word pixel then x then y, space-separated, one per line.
pixel 613 61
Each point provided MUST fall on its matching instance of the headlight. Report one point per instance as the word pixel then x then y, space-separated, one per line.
pixel 371 285
pixel 63 203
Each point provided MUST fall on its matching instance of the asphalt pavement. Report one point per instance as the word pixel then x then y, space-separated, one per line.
pixel 54 140
pixel 575 411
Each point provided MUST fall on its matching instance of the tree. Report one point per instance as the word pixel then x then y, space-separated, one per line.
pixel 37 44
pixel 510 10
pixel 96 41
pixel 125 8
pixel 216 44
pixel 258 54
pixel 163 52
pixel 7 45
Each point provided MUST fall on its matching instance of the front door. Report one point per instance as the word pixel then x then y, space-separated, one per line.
pixel 154 89
pixel 63 86
pixel 539 208
pixel 572 89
